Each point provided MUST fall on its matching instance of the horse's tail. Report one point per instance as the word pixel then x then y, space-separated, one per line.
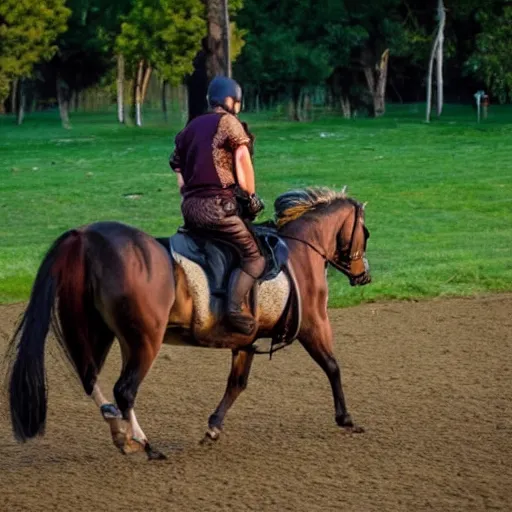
pixel 61 275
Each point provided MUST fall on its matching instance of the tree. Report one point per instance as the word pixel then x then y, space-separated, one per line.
pixel 220 31
pixel 286 46
pixel 211 60
pixel 27 35
pixel 437 55
pixel 217 60
pixel 491 60
pixel 114 11
pixel 162 34
pixel 296 44
pixel 84 54
pixel 382 35
pixel 461 33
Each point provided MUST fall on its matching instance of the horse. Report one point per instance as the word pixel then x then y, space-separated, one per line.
pixel 109 280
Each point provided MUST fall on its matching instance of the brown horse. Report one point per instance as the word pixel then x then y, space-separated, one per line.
pixel 109 280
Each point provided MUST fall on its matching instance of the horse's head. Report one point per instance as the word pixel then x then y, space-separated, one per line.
pixel 330 224
pixel 351 240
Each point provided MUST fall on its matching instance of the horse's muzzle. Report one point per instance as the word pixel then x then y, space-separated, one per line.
pixel 362 279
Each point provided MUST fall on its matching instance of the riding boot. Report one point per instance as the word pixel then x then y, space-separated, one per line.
pixel 240 285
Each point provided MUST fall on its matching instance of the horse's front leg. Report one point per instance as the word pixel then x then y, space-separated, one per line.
pixel 237 382
pixel 318 343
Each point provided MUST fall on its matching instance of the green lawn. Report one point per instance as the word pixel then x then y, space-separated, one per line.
pixel 440 195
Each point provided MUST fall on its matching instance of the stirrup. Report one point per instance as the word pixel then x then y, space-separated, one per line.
pixel 242 322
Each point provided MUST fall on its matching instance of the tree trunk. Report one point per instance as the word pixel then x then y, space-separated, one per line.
pixel 72 102
pixel 216 63
pixel 63 99
pixel 14 97
pixel 436 50
pixel 227 39
pixel 185 108
pixel 138 93
pixel 20 111
pixel 441 13
pixel 296 99
pixel 345 107
pixel 429 80
pixel 379 100
pixel 197 84
pixel 306 108
pixel 164 100
pixel 376 80
pixel 370 79
pixel 32 102
pixel 145 83
pixel 120 88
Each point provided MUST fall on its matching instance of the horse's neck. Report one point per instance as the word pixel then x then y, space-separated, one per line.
pixel 312 242
pixel 320 232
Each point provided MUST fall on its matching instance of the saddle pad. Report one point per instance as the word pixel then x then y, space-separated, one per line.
pixel 219 258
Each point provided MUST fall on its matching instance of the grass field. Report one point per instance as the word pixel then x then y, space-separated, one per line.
pixel 440 195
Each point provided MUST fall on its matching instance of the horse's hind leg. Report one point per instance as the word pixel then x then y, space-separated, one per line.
pixel 318 343
pixel 101 339
pixel 139 346
pixel 88 362
pixel 237 382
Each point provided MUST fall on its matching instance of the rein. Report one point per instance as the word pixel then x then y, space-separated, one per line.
pixel 352 257
pixel 318 251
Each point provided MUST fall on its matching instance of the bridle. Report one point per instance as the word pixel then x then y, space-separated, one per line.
pixel 358 255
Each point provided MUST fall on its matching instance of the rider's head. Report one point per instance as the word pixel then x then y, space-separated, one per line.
pixel 226 93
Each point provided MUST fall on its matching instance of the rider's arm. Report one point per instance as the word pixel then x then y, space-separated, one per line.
pixel 244 169
pixel 179 178
pixel 238 141
pixel 175 164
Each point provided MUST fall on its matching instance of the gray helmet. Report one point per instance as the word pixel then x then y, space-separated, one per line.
pixel 220 88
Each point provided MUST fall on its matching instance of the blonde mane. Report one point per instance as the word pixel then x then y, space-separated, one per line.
pixel 295 203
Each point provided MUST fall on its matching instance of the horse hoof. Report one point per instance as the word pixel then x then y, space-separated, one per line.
pixel 348 425
pixel 211 435
pixel 354 429
pixel 133 446
pixel 154 454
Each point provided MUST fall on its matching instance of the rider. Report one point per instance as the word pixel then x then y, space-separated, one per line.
pixel 213 165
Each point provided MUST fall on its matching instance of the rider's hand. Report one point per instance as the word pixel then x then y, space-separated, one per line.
pixel 256 205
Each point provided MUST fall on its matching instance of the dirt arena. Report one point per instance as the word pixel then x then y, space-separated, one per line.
pixel 430 381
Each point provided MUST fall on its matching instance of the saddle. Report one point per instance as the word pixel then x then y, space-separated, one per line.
pixel 219 258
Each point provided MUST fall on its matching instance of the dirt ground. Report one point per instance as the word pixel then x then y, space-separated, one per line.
pixel 430 381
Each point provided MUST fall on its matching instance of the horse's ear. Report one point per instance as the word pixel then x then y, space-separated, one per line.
pixel 364 204
pixel 344 191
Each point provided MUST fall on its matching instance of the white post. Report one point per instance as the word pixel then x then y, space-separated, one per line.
pixel 478 97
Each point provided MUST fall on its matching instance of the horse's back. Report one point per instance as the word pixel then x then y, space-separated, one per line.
pixel 113 230
pixel 119 237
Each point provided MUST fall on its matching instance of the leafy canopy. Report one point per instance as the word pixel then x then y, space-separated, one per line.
pixel 165 33
pixel 492 59
pixel 28 31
